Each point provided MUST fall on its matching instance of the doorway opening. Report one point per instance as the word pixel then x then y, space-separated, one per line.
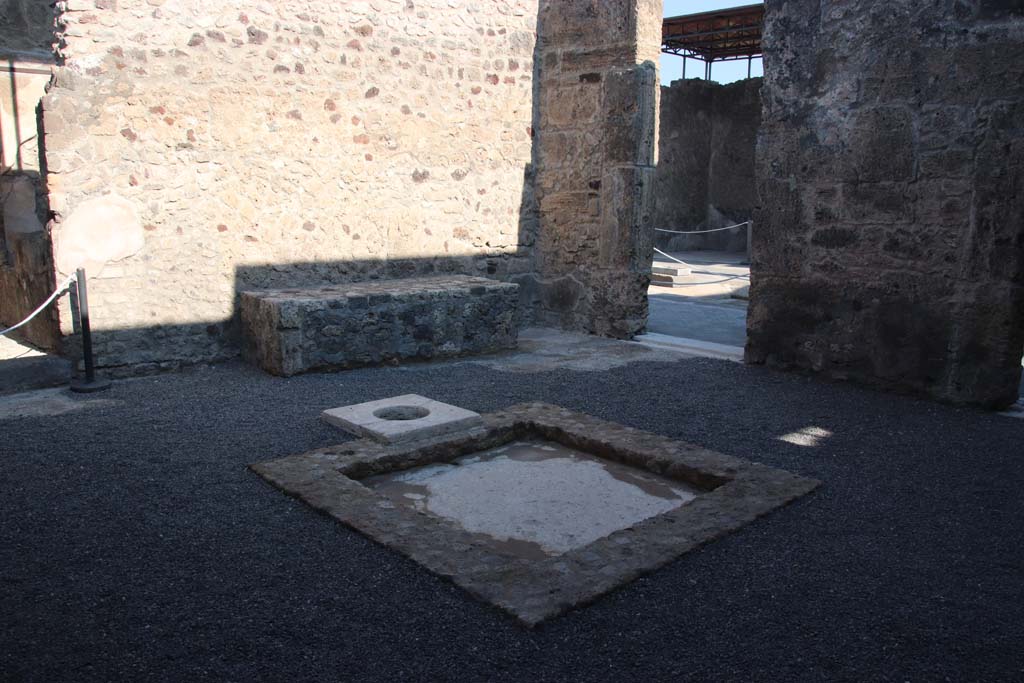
pixel 705 190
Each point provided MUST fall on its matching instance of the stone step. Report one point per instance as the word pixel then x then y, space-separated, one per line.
pixel 672 270
pixel 660 280
pixel 742 293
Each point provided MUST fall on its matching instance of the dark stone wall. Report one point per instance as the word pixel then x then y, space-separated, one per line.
pixel 705 178
pixel 684 149
pixel 890 240
pixel 27 35
pixel 27 28
pixel 595 146
pixel 732 190
pixel 25 282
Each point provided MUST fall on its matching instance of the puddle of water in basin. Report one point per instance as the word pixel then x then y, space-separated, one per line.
pixel 534 498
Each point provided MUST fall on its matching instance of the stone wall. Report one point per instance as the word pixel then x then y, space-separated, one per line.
pixel 27 33
pixel 890 243
pixel 286 143
pixel 596 145
pixel 705 178
pixel 27 29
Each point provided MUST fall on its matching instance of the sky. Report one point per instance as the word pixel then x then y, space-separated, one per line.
pixel 723 72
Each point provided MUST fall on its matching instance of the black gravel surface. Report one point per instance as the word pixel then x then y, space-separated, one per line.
pixel 135 545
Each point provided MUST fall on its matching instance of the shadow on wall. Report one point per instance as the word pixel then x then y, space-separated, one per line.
pixel 132 350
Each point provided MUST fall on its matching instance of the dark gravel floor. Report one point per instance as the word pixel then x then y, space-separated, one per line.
pixel 135 545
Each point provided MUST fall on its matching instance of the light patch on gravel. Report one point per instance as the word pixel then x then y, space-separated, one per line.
pixel 48 402
pixel 808 437
pixel 544 350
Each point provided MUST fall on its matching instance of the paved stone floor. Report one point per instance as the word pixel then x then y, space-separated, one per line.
pixel 135 544
pixel 721 322
pixel 702 307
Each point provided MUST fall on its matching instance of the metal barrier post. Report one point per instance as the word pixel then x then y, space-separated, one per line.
pixel 750 230
pixel 90 384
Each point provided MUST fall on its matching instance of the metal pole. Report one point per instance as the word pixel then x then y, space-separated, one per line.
pixel 83 318
pixel 750 64
pixel 91 383
pixel 750 230
pixel 684 67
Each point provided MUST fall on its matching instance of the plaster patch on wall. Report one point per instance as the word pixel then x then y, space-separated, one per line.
pixel 98 232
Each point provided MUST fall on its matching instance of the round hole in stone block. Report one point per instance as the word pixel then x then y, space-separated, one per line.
pixel 401 413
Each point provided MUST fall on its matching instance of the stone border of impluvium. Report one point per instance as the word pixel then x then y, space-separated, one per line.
pixel 735 493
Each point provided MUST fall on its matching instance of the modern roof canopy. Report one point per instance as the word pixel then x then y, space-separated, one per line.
pixel 721 35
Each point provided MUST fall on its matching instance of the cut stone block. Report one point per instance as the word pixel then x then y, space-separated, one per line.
pixel 675 271
pixel 667 276
pixel 288 331
pixel 403 418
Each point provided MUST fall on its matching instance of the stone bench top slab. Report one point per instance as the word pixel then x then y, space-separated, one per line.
pixel 384 288
pixel 340 326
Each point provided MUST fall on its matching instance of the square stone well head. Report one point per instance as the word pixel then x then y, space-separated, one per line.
pixel 409 417
pixel 506 544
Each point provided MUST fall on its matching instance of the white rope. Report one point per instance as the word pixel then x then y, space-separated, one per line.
pixel 701 284
pixel 673 258
pixel 60 290
pixel 701 232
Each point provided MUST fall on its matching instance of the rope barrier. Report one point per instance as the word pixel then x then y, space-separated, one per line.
pixel 691 284
pixel 672 258
pixel 702 284
pixel 64 287
pixel 701 232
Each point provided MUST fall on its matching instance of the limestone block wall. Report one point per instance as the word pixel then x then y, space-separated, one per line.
pixel 597 104
pixel 285 143
pixel 705 177
pixel 890 243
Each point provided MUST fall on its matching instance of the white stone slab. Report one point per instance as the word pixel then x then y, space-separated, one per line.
pixel 402 418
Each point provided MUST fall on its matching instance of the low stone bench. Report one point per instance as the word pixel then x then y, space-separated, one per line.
pixel 288 331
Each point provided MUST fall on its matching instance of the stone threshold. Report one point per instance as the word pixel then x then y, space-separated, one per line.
pixel 1016 410
pixel 734 492
pixel 693 347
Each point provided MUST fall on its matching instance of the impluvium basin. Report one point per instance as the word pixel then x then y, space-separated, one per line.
pixel 537 509
pixel 535 498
